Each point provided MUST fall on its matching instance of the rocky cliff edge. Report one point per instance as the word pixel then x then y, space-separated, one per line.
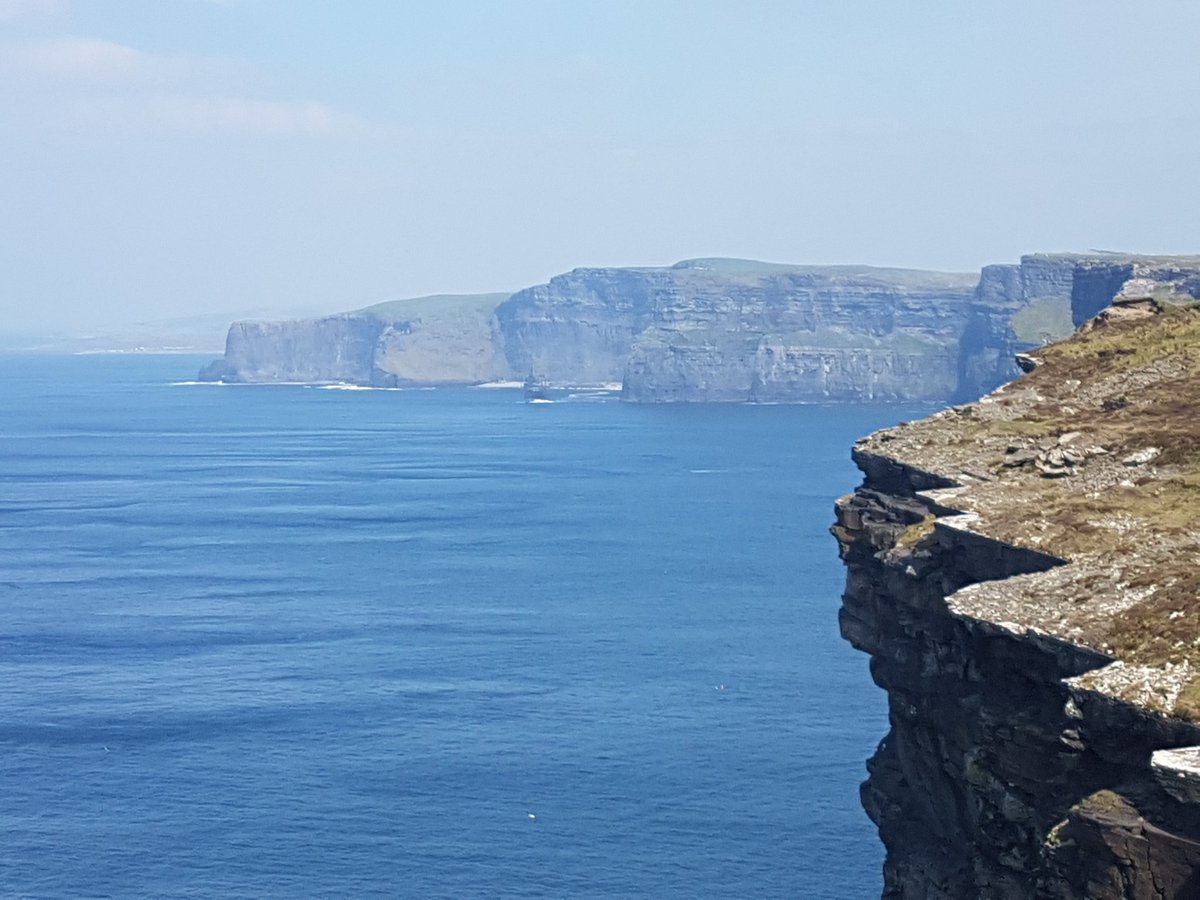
pixel 1023 572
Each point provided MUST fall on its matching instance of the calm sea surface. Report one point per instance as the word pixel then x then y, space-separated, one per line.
pixel 293 641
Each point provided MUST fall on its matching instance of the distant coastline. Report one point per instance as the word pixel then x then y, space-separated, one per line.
pixel 709 330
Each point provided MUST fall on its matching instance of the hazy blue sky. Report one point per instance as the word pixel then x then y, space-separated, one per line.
pixel 166 157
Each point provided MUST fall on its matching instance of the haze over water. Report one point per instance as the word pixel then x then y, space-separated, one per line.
pixel 290 641
pixel 291 157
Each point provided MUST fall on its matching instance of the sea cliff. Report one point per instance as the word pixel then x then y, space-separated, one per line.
pixel 727 333
pixel 705 329
pixel 1023 573
pixel 713 330
pixel 442 339
pixel 334 348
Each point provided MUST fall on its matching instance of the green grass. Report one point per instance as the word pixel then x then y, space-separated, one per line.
pixel 1174 333
pixel 753 271
pixel 435 305
pixel 1044 319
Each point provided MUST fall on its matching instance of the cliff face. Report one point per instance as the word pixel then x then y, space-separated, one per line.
pixel 721 332
pixel 1097 280
pixel 1023 573
pixel 706 329
pixel 1014 308
pixel 728 330
pixel 336 348
pixel 427 340
pixel 579 328
pixel 438 340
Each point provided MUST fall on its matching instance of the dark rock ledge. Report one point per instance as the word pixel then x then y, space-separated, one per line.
pixel 1036 625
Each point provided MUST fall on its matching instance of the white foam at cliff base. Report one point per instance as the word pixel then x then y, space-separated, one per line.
pixel 365 387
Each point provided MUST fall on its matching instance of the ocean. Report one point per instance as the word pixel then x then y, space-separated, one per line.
pixel 289 641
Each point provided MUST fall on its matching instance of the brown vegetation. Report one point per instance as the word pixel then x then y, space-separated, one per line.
pixel 1094 457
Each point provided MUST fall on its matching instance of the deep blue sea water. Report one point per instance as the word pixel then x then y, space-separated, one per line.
pixel 286 641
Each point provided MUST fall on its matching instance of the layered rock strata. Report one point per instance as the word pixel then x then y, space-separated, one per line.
pixel 707 330
pixel 732 330
pixel 1098 279
pixel 1023 572
pixel 1015 307
pixel 334 348
pixel 716 330
pixel 423 341
pixel 721 333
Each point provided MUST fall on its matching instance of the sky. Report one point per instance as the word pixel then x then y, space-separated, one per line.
pixel 170 158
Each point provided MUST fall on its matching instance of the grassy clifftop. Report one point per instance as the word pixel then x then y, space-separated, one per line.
pixel 1093 457
pixel 435 305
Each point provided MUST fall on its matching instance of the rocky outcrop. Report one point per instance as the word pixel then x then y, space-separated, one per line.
pixel 1043 299
pixel 1098 280
pixel 1022 572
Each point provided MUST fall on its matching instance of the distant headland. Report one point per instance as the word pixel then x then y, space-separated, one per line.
pixel 724 330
